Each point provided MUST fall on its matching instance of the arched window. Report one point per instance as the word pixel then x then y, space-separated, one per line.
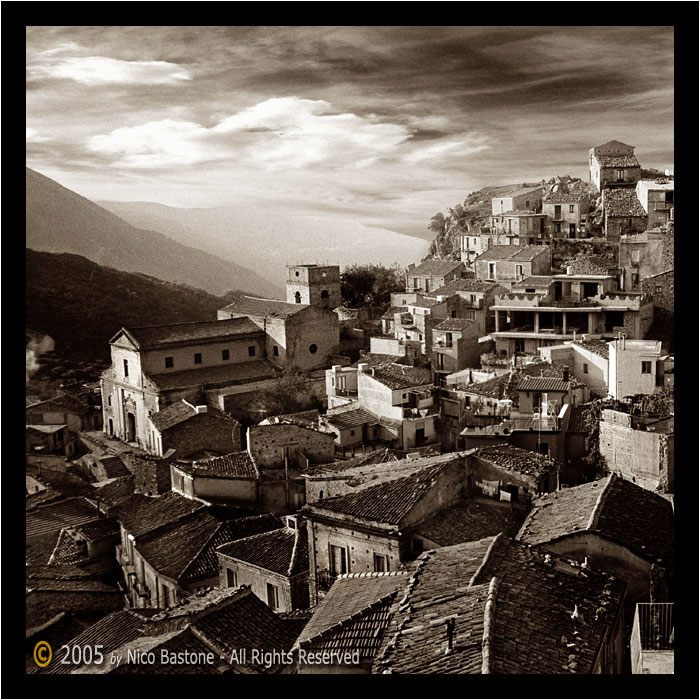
pixel 297 297
pixel 324 294
pixel 320 494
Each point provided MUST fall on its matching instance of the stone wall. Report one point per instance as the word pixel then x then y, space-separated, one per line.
pixel 660 289
pixel 267 444
pixel 203 432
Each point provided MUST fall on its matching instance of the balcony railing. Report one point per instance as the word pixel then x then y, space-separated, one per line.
pixel 443 344
pixel 653 622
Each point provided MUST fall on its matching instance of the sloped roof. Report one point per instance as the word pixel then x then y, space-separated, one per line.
pixel 46 601
pixel 455 324
pixel 387 503
pixel 574 194
pixel 257 306
pixel 464 285
pixel 236 465
pixel 434 267
pixel 236 373
pixel 339 466
pixel 181 411
pixel 349 419
pixel 113 466
pixel 621 161
pixel 62 482
pixel 492 388
pixel 613 144
pixel 622 201
pixel 536 281
pixel 197 331
pixel 513 252
pixel 613 508
pixel 554 384
pixel 397 376
pixel 282 551
pixel 148 514
pixel 518 192
pixel 62 400
pixel 599 347
pixel 516 459
pixel 306 419
pixel 577 419
pixel 53 517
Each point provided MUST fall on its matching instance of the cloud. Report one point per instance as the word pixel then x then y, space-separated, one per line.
pixel 447 150
pixel 103 70
pixel 33 136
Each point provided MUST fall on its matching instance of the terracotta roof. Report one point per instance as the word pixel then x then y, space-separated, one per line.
pixel 513 252
pixel 45 603
pixel 53 517
pixel 622 201
pixel 392 310
pixel 591 265
pixel 599 347
pixel 617 161
pixel 512 613
pixel 56 571
pixel 237 373
pixel 68 550
pixel 434 267
pixel 62 482
pixel 455 324
pixel 62 400
pixel 387 503
pixel 187 550
pixel 397 376
pixel 181 411
pixel 376 457
pixel 516 459
pixel 353 614
pixel 307 419
pixel 578 419
pixel 349 419
pixel 148 514
pixel 282 551
pixel 116 492
pixel 554 384
pixel 256 306
pixel 98 529
pixel 614 144
pixel 197 331
pixel 614 508
pixel 236 465
pixel 566 195
pixel 467 521
pixel 492 388
pixel 464 285
pixel 113 466
pixel 535 281
pixel 519 191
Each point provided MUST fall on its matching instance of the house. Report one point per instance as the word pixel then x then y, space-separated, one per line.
pixel 89 546
pixel 155 366
pixel 507 264
pixel 641 448
pixel 496 606
pixel 517 227
pixel 431 274
pixel 62 418
pixel 455 346
pixel 656 197
pixel 151 475
pixel 567 213
pixel 275 564
pixel 623 213
pixel 370 529
pixel 314 285
pixel 523 198
pixel 50 440
pixel 183 428
pixel 611 524
pixel 298 336
pixel 508 473
pixel 168 546
pixel 633 367
pixel 587 359
pixel 641 255
pixel 659 288
pixel 415 326
pixel 613 163
pixel 350 622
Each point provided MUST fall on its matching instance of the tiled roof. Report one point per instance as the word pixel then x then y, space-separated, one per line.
pixel 617 161
pixel 599 347
pixel 42 605
pixel 197 331
pixel 41 429
pixel 68 550
pixel 117 491
pixel 66 484
pixel 425 303
pixel 516 459
pixel 614 144
pixel 181 411
pixel 113 466
pixel 519 191
pixel 467 521
pixel 37 498
pixel 255 306
pixel 58 572
pixel 338 467
pixel 151 513
pixel 512 613
pixel 492 388
pixel 464 285
pixel 590 265
pixel 53 517
pixel 392 310
pixel 434 267
pixel 397 376
pixel 578 419
pixel 513 252
pixel 62 400
pixel 554 384
pixel 282 551
pixel 622 201
pixel 536 281
pixel 455 324
pixel 353 614
pixel 236 465
pixel 110 632
pixel 566 195
pixel 348 419
pixel 614 508
pixel 307 419
pixel 187 550
pixel 387 503
pixel 237 373
pixel 98 529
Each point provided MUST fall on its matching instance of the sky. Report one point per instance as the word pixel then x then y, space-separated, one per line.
pixel 382 125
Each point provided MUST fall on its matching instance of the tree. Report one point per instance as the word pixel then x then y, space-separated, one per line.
pixel 370 285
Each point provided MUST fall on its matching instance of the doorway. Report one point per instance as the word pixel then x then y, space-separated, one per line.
pixel 572 230
pixel 130 427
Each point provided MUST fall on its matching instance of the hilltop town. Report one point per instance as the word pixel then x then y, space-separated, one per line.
pixel 476 477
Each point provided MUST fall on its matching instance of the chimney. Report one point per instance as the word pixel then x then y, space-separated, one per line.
pixel 565 375
pixel 450 635
pixel 201 409
pixel 569 269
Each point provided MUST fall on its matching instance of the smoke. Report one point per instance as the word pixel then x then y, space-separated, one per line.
pixel 35 347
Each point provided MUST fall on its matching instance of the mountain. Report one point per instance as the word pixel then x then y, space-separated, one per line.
pixel 268 240
pixel 81 304
pixel 61 221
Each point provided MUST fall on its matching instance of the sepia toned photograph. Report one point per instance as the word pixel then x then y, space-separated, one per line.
pixel 349 350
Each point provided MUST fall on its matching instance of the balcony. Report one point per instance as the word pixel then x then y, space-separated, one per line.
pixel 442 344
pixel 324 580
pixel 652 641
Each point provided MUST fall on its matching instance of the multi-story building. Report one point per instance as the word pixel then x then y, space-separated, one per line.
pixel 633 367
pixel 315 285
pixel 508 264
pixel 623 213
pixel 431 274
pixel 455 346
pixel 521 227
pixel 613 163
pixel 656 197
pixel 567 213
pixel 521 199
pixel 641 255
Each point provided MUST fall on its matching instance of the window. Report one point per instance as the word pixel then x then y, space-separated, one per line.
pixel 571 208
pixel 292 523
pixel 320 495
pixel 324 294
pixel 198 358
pixel 646 367
pixel 251 351
pixel 657 290
pixel 620 174
pixel 454 314
pixel 126 368
pixel 109 398
pixel 557 228
pixel 338 560
pixel 527 204
pixel 519 270
pixel 275 351
pixel 352 433
pixel 297 297
pixel 169 363
pixel 448 337
pixel 585 367
pixel 231 578
pixel 226 354
pixel 492 270
pixel 669 197
pixel 297 273
pixel 635 256
pixel 381 562
pixel 164 595
pixel 420 337
pixel 273 596
pixel 313 348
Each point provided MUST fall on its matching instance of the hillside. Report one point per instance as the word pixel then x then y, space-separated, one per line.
pixel 269 239
pixel 81 305
pixel 61 221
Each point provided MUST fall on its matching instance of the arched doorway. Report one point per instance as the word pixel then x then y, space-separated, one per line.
pixel 297 297
pixel 130 427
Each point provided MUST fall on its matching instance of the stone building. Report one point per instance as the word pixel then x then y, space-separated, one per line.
pixel 567 213
pixel 623 213
pixel 521 227
pixel 656 197
pixel 455 346
pixel 275 564
pixel 314 285
pixel 613 163
pixel 659 288
pixel 641 256
pixel 508 264
pixel 633 367
pixel 523 198
pixel 431 274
